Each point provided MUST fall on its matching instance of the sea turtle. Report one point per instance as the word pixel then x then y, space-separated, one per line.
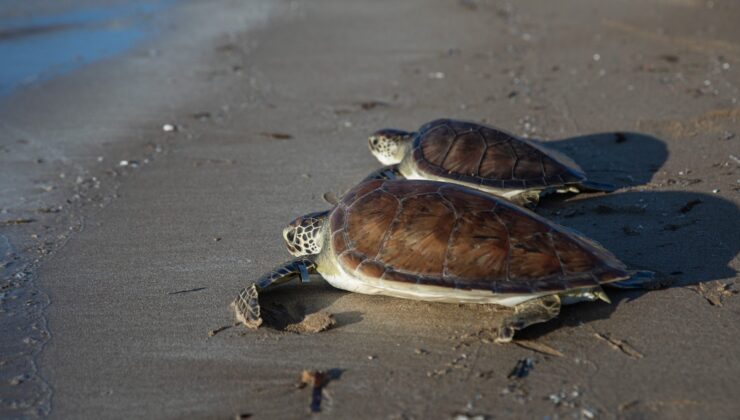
pixel 444 242
pixel 480 157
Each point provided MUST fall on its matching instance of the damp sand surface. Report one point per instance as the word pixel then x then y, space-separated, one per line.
pixel 268 119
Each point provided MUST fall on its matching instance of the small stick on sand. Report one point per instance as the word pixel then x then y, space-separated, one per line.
pixel 219 329
pixel 620 345
pixel 317 379
pixel 538 347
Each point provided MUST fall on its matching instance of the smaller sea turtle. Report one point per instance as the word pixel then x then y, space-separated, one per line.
pixel 480 157
pixel 443 242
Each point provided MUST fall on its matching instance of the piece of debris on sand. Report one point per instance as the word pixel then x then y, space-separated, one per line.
pixel 521 369
pixel 313 378
pixel 538 347
pixel 620 137
pixel 569 399
pixel 630 231
pixel 313 323
pixel 620 345
pixel 16 221
pixel 715 291
pixel 215 331
pixel 689 205
pixel 661 281
pixel 179 292
pixel 676 226
pixel 628 405
pixel 277 135
pixel 317 380
pixel 517 391
pixel 368 105
pixel 466 416
pixel 630 209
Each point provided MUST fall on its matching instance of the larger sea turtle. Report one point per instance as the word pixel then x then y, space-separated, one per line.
pixel 443 242
pixel 480 157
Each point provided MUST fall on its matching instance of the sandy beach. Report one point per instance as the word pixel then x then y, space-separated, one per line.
pixel 127 242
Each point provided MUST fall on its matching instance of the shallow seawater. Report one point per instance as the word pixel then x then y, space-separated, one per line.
pixel 37 46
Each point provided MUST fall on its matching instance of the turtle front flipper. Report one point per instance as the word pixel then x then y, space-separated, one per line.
pixel 527 313
pixel 386 172
pixel 247 306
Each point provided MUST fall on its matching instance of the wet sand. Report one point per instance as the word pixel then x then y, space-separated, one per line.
pixel 641 95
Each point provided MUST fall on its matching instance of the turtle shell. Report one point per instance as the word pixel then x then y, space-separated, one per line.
pixel 481 155
pixel 448 235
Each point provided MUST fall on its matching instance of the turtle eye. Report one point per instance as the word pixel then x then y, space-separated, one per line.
pixel 291 236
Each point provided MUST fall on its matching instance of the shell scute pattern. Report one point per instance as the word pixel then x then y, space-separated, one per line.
pixel 533 257
pixel 351 259
pixel 439 234
pixel 436 149
pixel 372 268
pixel 338 241
pixel 401 191
pixel 484 156
pixel 481 247
pixel 497 162
pixel 372 214
pixel 460 198
pixel 465 154
pixel 424 224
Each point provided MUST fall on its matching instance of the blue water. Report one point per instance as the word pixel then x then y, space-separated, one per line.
pixel 36 48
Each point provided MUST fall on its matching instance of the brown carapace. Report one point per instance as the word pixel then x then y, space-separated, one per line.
pixel 479 157
pixel 440 234
pixel 482 155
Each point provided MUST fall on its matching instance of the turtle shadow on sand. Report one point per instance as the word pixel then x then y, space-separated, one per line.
pixel 624 159
pixel 691 237
pixel 581 313
pixel 290 304
pixel 686 238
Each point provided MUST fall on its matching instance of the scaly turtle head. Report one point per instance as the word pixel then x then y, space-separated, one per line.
pixel 304 235
pixel 389 146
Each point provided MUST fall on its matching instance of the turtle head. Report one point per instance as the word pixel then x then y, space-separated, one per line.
pixel 304 235
pixel 389 145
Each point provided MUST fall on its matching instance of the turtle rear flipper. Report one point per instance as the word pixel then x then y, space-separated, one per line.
pixel 527 313
pixel 593 186
pixel 639 280
pixel 528 199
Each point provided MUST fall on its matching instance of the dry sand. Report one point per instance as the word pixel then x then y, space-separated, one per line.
pixel 644 95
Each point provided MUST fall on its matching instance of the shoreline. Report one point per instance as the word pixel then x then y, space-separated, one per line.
pixel 63 182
